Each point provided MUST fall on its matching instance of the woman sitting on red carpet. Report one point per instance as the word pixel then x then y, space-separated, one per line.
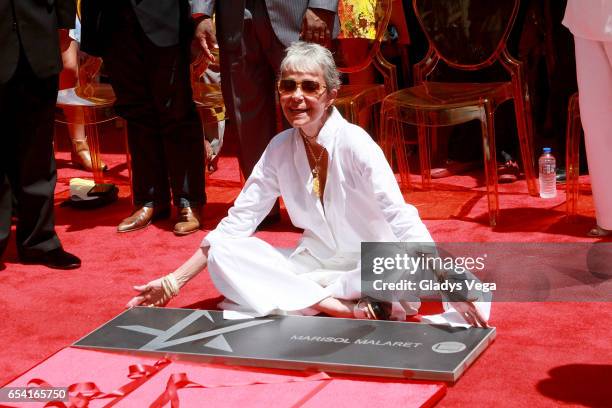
pixel 336 185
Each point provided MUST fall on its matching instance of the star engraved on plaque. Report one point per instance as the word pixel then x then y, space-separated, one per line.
pixel 219 341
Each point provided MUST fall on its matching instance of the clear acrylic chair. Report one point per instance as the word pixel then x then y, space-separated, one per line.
pixel 467 35
pixel 362 28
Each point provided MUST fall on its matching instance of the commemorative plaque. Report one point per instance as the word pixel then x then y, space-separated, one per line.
pixel 349 346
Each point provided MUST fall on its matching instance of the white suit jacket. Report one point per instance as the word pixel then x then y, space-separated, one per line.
pixel 362 200
pixel 589 19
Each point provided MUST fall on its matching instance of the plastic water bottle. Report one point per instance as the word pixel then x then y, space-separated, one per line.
pixel 548 174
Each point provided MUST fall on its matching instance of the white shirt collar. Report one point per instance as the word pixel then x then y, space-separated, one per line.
pixel 327 134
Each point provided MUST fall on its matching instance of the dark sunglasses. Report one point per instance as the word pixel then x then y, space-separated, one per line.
pixel 308 87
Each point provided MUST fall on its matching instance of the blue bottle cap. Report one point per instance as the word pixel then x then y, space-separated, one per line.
pixel 546 150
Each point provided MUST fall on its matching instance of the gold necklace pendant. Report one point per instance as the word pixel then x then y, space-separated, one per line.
pixel 316 186
pixel 316 180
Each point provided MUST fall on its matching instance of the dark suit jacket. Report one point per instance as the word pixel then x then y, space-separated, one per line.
pixel 36 22
pixel 164 22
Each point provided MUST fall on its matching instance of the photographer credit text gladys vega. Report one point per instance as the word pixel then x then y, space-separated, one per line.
pixel 411 264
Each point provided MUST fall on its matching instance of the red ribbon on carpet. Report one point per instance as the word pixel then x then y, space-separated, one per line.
pixel 180 380
pixel 80 394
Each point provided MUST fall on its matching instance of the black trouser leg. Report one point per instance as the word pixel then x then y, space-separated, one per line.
pixel 5 212
pixel 180 126
pixel 153 92
pixel 149 173
pixel 248 77
pixel 27 106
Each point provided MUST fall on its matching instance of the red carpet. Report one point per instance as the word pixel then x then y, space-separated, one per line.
pixel 545 354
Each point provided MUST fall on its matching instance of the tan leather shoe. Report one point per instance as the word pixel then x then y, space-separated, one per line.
pixel 81 156
pixel 188 221
pixel 141 218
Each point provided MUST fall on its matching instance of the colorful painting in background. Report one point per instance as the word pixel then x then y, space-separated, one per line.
pixel 357 18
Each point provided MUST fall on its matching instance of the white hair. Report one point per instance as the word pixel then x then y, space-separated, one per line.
pixel 309 57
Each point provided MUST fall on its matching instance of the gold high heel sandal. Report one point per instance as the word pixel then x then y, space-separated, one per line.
pixel 81 156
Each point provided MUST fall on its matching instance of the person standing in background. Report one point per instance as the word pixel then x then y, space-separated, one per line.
pixel 145 45
pixel 253 35
pixel 591 23
pixel 31 62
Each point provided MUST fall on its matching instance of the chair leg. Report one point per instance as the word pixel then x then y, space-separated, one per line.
pixel 128 159
pixel 383 136
pixel 522 110
pixel 93 140
pixel 402 157
pixel 490 162
pixel 435 149
pixel 391 139
pixel 375 120
pixel 424 155
pixel 572 157
pixel 353 114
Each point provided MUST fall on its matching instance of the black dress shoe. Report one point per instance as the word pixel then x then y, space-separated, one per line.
pixel 55 259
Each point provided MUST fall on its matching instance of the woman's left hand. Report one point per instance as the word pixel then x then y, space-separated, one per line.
pixel 151 294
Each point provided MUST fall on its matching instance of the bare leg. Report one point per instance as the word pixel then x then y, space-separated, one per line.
pixel 336 307
pixel 342 308
pixel 76 130
pixel 69 74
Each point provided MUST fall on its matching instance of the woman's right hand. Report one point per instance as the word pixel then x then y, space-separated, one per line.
pixel 151 294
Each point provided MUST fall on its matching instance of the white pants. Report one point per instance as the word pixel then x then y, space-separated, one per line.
pixel 260 279
pixel 594 72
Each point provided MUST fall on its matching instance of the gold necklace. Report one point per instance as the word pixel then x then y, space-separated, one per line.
pixel 316 181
